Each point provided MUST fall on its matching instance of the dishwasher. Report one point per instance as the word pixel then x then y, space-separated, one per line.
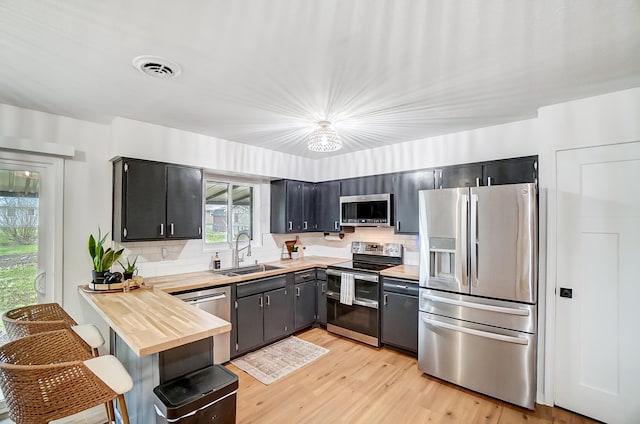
pixel 216 301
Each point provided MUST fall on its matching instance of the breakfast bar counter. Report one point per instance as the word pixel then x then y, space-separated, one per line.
pixel 157 337
pixel 151 321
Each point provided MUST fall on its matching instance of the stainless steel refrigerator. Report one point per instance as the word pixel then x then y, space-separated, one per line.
pixel 478 289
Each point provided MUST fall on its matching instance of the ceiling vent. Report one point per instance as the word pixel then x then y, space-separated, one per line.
pixel 158 67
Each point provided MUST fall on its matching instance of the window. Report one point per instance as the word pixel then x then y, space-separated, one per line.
pixel 228 211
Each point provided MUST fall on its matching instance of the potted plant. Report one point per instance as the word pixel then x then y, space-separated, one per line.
pixel 102 259
pixel 129 269
pixel 294 252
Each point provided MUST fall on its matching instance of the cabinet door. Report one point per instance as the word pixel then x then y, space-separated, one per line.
pixel 321 301
pixel 400 321
pixel 406 190
pixel 372 184
pixel 144 201
pixel 511 171
pixel 184 202
pixel 250 318
pixel 308 207
pixel 328 206
pixel 305 304
pixel 293 206
pixel 276 314
pixel 461 176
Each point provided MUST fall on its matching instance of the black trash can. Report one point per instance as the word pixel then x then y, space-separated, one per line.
pixel 204 396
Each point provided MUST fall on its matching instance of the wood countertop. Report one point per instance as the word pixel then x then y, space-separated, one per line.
pixel 409 272
pixel 196 280
pixel 150 321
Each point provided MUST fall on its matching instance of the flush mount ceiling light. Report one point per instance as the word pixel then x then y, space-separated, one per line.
pixel 324 138
pixel 158 67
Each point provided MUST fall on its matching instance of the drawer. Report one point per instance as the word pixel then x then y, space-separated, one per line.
pixel 397 285
pixel 306 275
pixel 321 274
pixel 249 288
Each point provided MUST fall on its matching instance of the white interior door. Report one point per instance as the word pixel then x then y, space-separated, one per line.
pixel 598 254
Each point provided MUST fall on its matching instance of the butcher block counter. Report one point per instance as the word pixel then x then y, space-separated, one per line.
pixel 196 280
pixel 409 272
pixel 151 321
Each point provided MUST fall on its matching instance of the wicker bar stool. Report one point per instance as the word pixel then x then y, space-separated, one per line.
pixel 42 317
pixel 50 375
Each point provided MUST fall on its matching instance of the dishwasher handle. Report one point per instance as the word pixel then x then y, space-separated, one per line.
pixel 198 300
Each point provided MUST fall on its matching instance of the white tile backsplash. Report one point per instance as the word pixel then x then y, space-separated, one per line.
pixel 182 256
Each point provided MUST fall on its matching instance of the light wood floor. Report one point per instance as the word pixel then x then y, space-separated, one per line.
pixel 355 383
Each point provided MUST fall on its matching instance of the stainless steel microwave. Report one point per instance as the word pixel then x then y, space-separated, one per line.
pixel 372 210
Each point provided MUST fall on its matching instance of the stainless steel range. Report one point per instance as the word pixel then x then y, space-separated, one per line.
pixel 354 291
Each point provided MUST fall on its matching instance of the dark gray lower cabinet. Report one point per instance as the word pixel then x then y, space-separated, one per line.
pixel 321 299
pixel 276 314
pixel 262 313
pixel 250 312
pixel 305 304
pixel 400 314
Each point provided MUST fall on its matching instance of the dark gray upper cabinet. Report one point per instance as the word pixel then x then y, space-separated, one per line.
pixel 372 184
pixel 511 171
pixel 406 187
pixel 327 206
pixel 290 200
pixel 461 176
pixel 184 191
pixel 155 201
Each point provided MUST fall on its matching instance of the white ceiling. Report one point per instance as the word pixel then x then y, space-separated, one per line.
pixel 262 72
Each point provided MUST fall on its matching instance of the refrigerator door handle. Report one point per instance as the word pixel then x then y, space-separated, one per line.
pixel 462 241
pixel 494 336
pixel 481 306
pixel 474 240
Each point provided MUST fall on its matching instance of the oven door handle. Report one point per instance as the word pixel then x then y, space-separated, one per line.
pixel 364 277
pixel 358 302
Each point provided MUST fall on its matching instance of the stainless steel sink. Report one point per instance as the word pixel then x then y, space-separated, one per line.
pixel 244 270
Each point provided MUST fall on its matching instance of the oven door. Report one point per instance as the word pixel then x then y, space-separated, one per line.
pixel 361 320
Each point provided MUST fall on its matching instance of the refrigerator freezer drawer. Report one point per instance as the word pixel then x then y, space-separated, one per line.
pixel 493 361
pixel 498 313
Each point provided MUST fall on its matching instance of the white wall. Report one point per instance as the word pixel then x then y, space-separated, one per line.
pixel 607 119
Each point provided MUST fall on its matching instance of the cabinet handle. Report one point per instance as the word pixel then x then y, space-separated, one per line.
pixel 304 225
pixel 323 288
pixel 290 225
pixel 398 226
pixel 306 276
pixel 297 291
pixel 386 300
pixel 171 228
pixel 477 182
pixel 261 303
pixel 489 181
pixel 335 225
pixel 268 300
pixel 199 230
pixel 161 229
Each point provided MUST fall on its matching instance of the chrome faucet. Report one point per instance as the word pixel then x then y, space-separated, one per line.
pixel 236 254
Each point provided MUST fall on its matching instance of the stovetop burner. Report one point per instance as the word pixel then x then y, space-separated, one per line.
pixel 372 257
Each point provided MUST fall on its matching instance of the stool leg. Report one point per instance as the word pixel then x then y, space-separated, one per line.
pixel 123 409
pixel 110 414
